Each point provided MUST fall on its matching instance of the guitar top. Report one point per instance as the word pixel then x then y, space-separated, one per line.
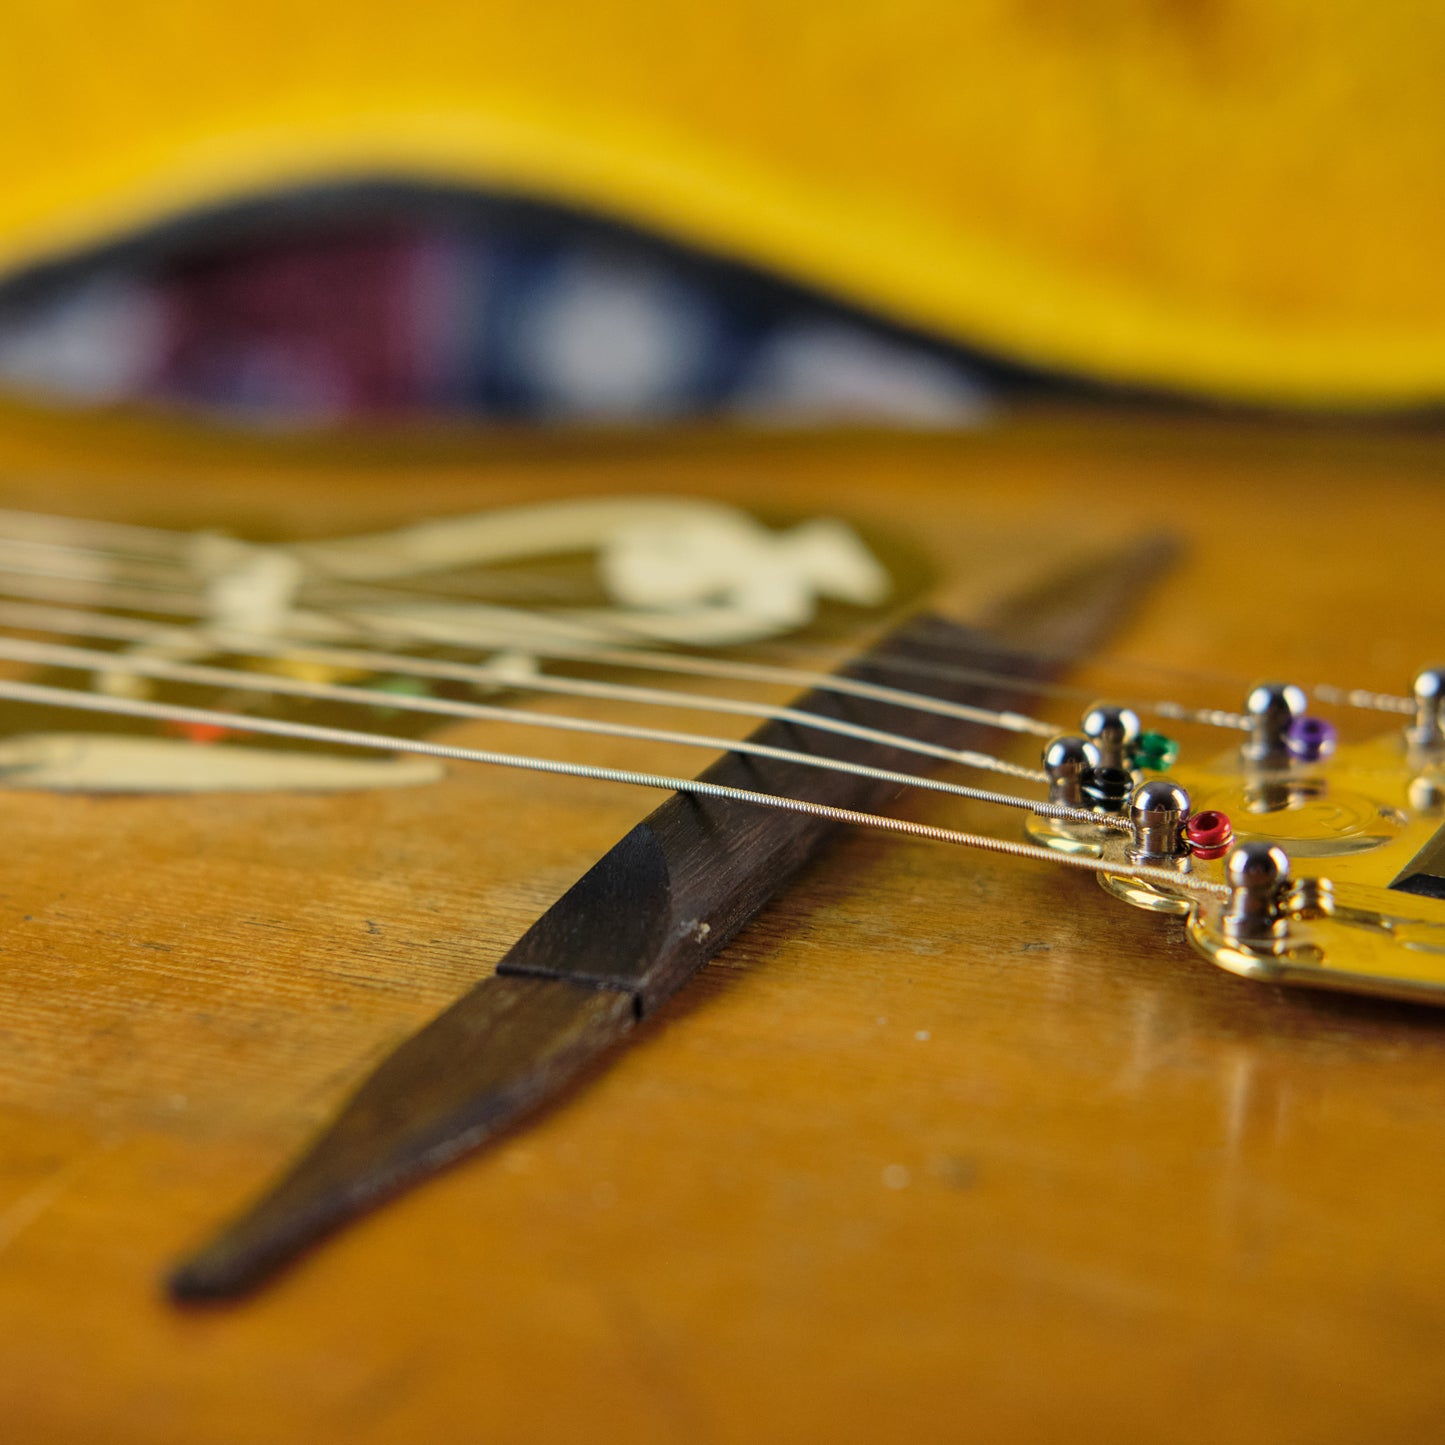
pixel 944 1144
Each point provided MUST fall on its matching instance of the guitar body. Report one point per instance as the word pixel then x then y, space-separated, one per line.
pixel 1237 199
pixel 943 1146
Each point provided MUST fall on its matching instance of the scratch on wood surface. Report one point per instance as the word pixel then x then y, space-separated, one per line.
pixel 30 1206
pixel 652 1358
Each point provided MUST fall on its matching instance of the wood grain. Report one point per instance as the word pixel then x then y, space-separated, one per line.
pixel 942 1147
pixel 620 942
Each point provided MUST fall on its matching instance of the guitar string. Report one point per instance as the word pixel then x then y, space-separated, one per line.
pixel 575 687
pixel 235 679
pixel 170 548
pixel 101 593
pixel 44 531
pixel 92 660
pixel 82 565
pixel 1363 698
pixel 489 586
pixel 139 707
pixel 115 538
pixel 49 618
pixel 51 529
pixel 143 598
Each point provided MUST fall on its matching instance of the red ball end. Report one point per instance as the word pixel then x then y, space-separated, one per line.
pixel 1209 834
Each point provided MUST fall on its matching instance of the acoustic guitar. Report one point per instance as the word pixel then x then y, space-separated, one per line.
pixel 944 1145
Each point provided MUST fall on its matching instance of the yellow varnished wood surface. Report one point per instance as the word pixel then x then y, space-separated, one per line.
pixel 944 1148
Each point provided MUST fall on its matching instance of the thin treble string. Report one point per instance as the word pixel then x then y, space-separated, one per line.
pixel 163 548
pixel 1363 698
pixel 951 672
pixel 745 671
pixel 83 566
pixel 48 531
pixel 523 636
pixel 43 559
pixel 57 619
pixel 50 619
pixel 1213 717
pixel 82 592
pixel 176 576
pixel 313 732
pixel 149 590
pixel 352 599
pixel 91 660
pixel 126 540
pixel 92 535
